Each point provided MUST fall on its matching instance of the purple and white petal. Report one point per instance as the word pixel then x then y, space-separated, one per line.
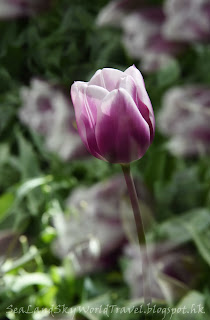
pixel 122 133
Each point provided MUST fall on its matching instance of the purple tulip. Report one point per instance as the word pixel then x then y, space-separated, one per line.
pixel 47 110
pixel 174 270
pixel 99 224
pixel 187 20
pixel 185 118
pixel 20 8
pixel 114 115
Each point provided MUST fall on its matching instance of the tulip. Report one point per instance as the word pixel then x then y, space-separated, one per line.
pixel 187 20
pixel 114 115
pixel 116 122
pixel 47 111
pixel 184 118
pixel 174 271
pixel 20 8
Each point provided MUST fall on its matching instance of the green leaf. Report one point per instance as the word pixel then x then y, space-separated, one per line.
pixel 176 229
pixel 6 202
pixel 12 265
pixel 202 241
pixel 169 74
pixel 85 308
pixel 31 184
pixel 4 152
pixel 5 79
pixel 28 159
pixel 191 304
pixel 18 283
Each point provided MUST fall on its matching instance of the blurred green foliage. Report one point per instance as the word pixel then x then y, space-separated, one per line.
pixel 62 46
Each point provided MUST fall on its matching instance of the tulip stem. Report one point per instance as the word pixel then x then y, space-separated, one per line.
pixel 140 232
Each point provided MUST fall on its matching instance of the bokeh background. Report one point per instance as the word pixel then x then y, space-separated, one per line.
pixel 67 234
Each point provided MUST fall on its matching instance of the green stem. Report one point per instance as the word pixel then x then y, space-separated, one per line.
pixel 140 232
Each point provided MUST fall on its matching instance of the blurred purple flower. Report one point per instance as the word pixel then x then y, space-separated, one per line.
pixel 142 32
pixel 94 230
pixel 173 271
pixel 185 118
pixel 20 8
pixel 93 234
pixel 144 40
pixel 187 20
pixel 47 111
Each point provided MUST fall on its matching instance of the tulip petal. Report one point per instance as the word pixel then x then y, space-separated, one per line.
pixel 107 78
pixel 77 91
pixel 130 86
pixel 142 97
pixel 93 97
pixel 86 99
pixel 122 134
pixel 139 81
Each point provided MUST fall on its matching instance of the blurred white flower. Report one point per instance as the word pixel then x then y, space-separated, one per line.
pixel 111 15
pixel 100 223
pixel 48 111
pixel 20 8
pixel 185 118
pixel 94 230
pixel 144 40
pixel 153 62
pixel 187 20
pixel 173 271
pixel 143 35
pixel 114 12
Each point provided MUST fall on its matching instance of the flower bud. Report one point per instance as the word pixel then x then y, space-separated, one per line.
pixel 114 115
